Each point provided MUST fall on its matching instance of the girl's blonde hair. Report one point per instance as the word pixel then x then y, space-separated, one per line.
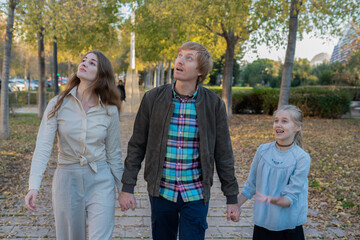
pixel 297 117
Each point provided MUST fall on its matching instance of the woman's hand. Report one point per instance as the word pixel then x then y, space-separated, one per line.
pixel 30 200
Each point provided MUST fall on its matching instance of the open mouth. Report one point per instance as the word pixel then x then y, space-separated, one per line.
pixel 279 131
pixel 179 69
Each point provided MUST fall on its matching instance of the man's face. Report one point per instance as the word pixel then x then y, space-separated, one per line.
pixel 186 66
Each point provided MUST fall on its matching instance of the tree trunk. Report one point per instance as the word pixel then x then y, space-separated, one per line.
pixel 56 77
pixel 27 85
pixel 162 74
pixel 289 57
pixel 168 75
pixel 231 41
pixel 4 100
pixel 155 76
pixel 69 70
pixel 148 78
pixel 151 79
pixel 41 56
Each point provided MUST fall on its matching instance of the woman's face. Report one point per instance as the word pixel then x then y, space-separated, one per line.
pixel 88 68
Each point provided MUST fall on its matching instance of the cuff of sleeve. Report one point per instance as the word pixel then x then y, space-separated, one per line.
pixel 129 188
pixel 247 194
pixel 34 183
pixel 288 198
pixel 231 199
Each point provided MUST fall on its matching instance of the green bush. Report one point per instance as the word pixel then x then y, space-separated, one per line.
pixel 317 102
pixel 246 103
pixel 26 97
pixel 270 99
pixel 355 93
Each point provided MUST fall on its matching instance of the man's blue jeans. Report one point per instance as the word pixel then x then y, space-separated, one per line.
pixel 167 218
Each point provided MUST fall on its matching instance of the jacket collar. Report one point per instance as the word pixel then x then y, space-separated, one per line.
pixel 199 97
pixel 182 97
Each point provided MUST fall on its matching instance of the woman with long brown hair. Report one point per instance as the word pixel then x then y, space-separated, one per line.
pixel 85 119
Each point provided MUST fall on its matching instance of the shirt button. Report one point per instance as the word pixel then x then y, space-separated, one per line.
pixel 178 179
pixel 179 147
pixel 181 116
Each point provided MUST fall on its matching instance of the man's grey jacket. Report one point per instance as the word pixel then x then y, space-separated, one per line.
pixel 150 135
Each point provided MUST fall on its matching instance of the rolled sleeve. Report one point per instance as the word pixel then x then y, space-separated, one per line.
pixel 113 147
pixel 297 181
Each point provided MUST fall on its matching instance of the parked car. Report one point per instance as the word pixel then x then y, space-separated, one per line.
pixel 62 81
pixel 34 84
pixel 17 84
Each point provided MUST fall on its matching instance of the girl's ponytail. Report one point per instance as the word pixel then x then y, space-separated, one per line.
pixel 299 139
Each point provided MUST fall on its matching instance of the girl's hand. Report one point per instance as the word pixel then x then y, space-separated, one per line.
pixel 262 198
pixel 30 200
pixel 280 201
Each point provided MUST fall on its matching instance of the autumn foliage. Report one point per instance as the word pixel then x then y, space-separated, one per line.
pixel 334 179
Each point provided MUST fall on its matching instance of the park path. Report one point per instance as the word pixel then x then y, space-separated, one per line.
pixel 136 224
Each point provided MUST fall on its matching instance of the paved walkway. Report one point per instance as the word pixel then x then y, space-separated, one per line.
pixel 134 224
pixel 26 110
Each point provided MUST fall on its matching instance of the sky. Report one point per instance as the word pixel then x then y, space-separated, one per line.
pixel 307 48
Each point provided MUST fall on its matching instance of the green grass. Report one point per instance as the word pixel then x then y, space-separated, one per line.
pixel 234 89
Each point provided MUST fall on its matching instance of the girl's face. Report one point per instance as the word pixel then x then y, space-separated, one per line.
pixel 88 68
pixel 284 127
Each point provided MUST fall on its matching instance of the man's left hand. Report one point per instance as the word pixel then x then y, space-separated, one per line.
pixel 233 212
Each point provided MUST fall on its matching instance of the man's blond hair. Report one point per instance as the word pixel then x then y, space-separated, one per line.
pixel 203 57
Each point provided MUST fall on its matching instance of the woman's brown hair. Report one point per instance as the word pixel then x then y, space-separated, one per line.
pixel 104 85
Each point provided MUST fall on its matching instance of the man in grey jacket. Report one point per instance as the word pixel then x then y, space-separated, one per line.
pixel 182 131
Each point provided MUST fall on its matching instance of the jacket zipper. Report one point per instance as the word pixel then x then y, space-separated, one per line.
pixel 160 154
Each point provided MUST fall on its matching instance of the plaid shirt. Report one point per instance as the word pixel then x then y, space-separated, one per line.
pixel 182 171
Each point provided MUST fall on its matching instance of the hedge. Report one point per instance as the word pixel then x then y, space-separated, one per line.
pixel 316 102
pixel 353 91
pixel 26 97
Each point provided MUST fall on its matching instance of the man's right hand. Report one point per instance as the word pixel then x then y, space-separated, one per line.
pixel 126 201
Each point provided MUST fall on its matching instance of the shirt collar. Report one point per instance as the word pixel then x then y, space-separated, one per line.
pixel 188 97
pixel 73 93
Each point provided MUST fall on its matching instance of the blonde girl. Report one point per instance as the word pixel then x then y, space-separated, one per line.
pixel 278 179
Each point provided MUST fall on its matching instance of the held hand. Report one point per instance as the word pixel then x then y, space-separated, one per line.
pixel 233 212
pixel 30 200
pixel 126 201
